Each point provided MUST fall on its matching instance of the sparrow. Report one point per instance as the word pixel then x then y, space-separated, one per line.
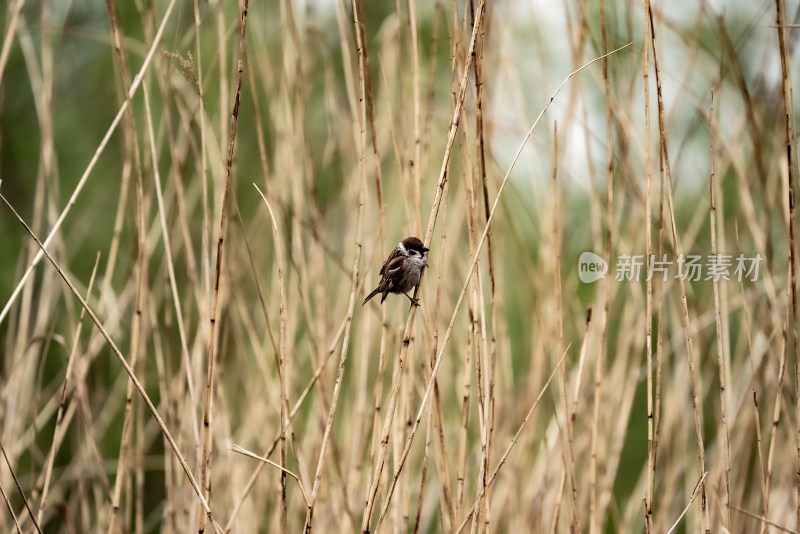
pixel 402 270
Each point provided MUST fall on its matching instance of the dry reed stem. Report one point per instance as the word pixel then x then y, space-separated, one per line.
pixel 208 410
pixel 462 437
pixel 581 362
pixel 205 259
pixel 222 68
pixel 124 363
pixel 480 150
pixel 436 421
pixel 684 305
pixel 567 458
pixel 776 412
pixel 480 497
pixel 308 158
pixel 431 92
pixel 487 366
pixel 361 38
pixel 595 522
pixel 282 354
pixel 423 472
pixel 443 459
pixel 753 129
pixel 476 322
pixel 573 414
pixel 786 93
pixel 754 392
pixel 378 387
pixel 568 451
pixel 726 458
pixel 254 271
pixel 416 179
pixel 661 322
pixel 562 485
pixel 651 449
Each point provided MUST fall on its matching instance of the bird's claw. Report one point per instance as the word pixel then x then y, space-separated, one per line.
pixel 414 301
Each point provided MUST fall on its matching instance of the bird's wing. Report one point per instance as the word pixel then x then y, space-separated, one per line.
pixel 393 265
pixel 392 257
pixel 392 272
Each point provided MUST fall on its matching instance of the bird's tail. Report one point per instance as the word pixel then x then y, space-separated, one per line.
pixel 375 292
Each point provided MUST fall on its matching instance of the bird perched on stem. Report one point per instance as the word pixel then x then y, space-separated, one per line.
pixel 402 270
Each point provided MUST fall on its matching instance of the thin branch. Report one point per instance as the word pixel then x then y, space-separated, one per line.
pixel 762 519
pixel 19 488
pixel 245 452
pixel 697 489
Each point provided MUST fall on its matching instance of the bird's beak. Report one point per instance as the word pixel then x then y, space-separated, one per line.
pixel 425 249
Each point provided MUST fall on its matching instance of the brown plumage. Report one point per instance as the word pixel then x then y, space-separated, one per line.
pixel 402 270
